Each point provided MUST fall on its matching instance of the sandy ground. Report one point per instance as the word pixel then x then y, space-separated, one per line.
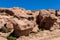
pixel 43 35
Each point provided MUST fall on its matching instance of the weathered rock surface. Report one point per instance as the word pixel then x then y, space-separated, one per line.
pixel 2 38
pixel 19 22
pixel 23 27
pixel 6 27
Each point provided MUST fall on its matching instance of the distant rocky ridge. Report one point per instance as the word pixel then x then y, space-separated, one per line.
pixel 18 22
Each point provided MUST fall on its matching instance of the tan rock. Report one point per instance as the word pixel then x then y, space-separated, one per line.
pixel 22 22
pixel 6 26
pixel 52 11
pixel 2 38
pixel 35 29
pixel 22 27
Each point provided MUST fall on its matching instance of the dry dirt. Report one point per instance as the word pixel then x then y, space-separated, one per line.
pixel 43 35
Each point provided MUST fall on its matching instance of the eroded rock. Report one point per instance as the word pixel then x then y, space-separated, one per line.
pixel 22 27
pixel 6 27
pixel 19 22
pixel 46 20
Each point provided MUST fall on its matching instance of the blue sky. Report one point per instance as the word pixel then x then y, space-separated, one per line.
pixel 31 4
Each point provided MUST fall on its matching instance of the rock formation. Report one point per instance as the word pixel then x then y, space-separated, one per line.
pixel 19 22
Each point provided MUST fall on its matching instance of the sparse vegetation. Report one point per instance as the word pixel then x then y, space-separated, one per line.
pixel 5 30
pixel 11 38
pixel 9 29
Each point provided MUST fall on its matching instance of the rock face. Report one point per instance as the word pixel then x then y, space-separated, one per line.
pixel 19 22
pixel 46 19
pixel 6 27
pixel 23 27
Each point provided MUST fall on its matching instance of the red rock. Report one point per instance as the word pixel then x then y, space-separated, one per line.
pixel 46 20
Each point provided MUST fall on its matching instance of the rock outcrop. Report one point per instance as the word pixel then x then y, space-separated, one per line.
pixel 18 21
pixel 46 19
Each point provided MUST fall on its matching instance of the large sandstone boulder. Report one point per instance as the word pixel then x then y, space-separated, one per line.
pixel 22 27
pixel 45 19
pixel 21 21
